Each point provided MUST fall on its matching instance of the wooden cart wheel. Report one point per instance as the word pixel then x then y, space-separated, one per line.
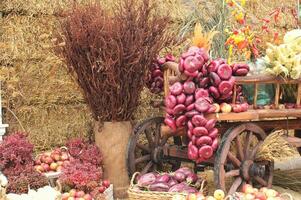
pixel 235 163
pixel 145 152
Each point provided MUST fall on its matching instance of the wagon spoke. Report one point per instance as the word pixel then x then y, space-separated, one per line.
pixel 147 167
pixel 234 160
pixel 149 138
pixel 232 173
pixel 260 180
pixel 248 143
pixel 158 135
pixel 254 151
pixel 143 147
pixel 163 141
pixel 239 148
pixel 142 159
pixel 235 185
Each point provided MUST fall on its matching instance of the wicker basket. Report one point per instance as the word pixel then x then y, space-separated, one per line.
pixel 135 193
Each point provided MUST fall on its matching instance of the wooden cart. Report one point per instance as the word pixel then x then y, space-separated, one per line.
pixel 153 146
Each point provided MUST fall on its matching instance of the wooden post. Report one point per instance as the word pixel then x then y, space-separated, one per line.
pixel 255 95
pixel 277 95
pixel 234 94
pixel 299 95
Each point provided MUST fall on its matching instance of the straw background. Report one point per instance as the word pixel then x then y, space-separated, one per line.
pixel 38 94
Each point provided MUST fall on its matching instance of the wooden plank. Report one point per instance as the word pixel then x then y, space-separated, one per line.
pixel 296 142
pixel 277 95
pixel 299 94
pixel 234 94
pixel 286 165
pixel 256 115
pixel 255 95
pixel 264 79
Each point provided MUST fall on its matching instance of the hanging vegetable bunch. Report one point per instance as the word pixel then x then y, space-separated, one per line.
pixel 155 81
pixel 285 60
pixel 189 101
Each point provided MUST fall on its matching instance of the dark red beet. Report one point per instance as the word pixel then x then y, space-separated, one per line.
pixel 192 152
pixel 206 151
pixel 179 109
pixel 170 101
pixel 202 105
pixel 189 87
pixel 210 124
pixel 190 107
pixel 214 79
pixel 200 131
pixel 181 121
pixel 176 88
pixel 204 82
pixel 213 66
pixel 199 120
pixel 213 133
pixel 159 187
pixel 214 92
pixel 192 64
pixel 189 74
pixel 190 125
pixel 189 134
pixel 241 72
pixel 189 100
pixel 225 87
pixel 214 144
pixel 201 93
pixel 224 71
pixel 191 113
pixel 181 98
pixel 171 123
pixel 204 140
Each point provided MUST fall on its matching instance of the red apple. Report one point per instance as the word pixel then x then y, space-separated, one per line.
pixel 72 192
pixel 249 197
pixel 106 183
pixel 38 162
pixel 65 196
pixel 191 197
pixel 56 157
pixel 64 156
pixel 46 167
pixel 236 108
pixel 260 196
pixel 59 168
pixel 43 158
pixel 66 162
pixel 60 163
pixel 53 166
pixel 244 107
pixel 39 168
pixel 88 197
pixel 80 194
pixel 101 189
pixel 200 196
pixel 48 160
pixel 247 189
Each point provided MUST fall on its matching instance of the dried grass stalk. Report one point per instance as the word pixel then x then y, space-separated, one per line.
pixel 288 179
pixel 275 147
pixel 108 53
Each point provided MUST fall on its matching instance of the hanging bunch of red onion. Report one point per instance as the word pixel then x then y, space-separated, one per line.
pixel 155 81
pixel 190 101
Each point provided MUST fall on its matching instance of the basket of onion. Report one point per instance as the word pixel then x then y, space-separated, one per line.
pixel 163 186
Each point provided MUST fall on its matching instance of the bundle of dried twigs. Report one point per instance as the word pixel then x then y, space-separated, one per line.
pixel 108 53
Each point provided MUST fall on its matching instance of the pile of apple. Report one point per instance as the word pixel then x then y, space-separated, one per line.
pixel 73 194
pixel 52 161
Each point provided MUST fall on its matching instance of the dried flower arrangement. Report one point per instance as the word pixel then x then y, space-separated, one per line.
pixel 108 52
